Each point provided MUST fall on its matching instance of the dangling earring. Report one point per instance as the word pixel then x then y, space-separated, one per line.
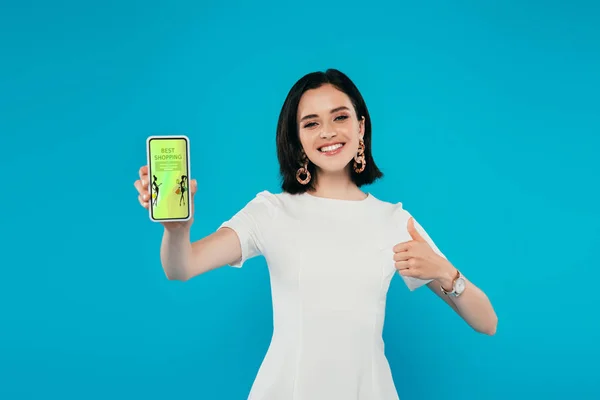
pixel 303 171
pixel 360 158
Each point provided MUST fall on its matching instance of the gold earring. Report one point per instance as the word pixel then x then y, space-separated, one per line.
pixel 303 171
pixel 360 158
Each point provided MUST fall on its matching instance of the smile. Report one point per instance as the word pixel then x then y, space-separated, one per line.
pixel 331 149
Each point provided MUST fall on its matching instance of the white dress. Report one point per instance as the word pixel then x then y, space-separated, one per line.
pixel 330 264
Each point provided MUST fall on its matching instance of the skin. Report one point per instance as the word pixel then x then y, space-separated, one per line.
pixel 325 115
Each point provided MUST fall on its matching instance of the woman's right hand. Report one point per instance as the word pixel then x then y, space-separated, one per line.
pixel 141 185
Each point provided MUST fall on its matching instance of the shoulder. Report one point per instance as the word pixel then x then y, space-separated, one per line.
pixel 266 203
pixel 393 210
pixel 263 199
pixel 270 199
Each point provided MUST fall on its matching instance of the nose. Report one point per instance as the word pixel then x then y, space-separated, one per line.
pixel 327 133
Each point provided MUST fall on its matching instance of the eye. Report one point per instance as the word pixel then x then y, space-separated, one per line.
pixel 310 124
pixel 341 117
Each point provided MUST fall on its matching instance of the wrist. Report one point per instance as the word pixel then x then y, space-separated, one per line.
pixel 177 233
pixel 447 277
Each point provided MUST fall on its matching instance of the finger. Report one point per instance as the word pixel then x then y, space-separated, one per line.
pixel 400 265
pixel 143 171
pixel 404 246
pixel 144 199
pixel 144 175
pixel 194 186
pixel 144 196
pixel 402 256
pixel 410 272
pixel 412 230
pixel 139 186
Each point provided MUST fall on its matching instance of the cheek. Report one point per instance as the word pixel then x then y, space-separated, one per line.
pixel 350 131
pixel 353 144
pixel 305 142
pixel 307 139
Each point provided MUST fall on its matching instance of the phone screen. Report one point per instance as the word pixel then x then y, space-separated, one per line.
pixel 168 173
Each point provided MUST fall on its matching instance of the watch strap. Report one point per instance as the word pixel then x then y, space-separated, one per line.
pixel 453 291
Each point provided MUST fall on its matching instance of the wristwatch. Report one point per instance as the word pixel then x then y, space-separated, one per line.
pixel 458 286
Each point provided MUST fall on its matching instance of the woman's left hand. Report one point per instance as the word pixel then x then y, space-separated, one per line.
pixel 417 259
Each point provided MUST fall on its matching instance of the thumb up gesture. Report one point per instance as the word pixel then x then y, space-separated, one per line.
pixel 417 259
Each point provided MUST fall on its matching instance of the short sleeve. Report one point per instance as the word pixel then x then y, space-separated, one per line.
pixel 250 224
pixel 403 218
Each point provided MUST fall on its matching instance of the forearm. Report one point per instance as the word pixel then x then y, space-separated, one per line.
pixel 472 305
pixel 175 253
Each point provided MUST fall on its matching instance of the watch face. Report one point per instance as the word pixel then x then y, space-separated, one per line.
pixel 460 285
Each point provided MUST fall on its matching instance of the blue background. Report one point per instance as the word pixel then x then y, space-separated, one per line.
pixel 486 124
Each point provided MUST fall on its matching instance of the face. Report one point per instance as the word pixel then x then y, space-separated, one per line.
pixel 329 128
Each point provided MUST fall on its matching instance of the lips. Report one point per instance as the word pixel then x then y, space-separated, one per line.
pixel 331 147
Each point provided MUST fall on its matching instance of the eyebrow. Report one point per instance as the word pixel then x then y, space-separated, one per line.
pixel 331 112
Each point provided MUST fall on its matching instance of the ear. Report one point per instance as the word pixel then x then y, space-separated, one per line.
pixel 361 127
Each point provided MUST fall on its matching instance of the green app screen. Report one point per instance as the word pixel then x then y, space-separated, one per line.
pixel 168 176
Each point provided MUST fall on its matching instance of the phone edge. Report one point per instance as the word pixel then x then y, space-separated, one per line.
pixel 189 174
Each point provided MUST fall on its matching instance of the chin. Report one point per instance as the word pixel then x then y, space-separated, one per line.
pixel 333 167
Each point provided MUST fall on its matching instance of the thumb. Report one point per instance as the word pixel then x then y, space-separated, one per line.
pixel 193 189
pixel 413 231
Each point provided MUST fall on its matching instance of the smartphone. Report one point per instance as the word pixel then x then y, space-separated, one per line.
pixel 168 175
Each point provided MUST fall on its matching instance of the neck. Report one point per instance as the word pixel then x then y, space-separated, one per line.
pixel 336 186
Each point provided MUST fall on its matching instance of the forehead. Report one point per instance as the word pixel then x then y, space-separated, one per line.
pixel 322 100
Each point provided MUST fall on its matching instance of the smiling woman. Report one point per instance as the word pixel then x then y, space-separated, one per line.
pixel 329 280
pixel 324 109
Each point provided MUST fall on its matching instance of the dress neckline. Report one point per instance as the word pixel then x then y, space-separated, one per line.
pixel 339 201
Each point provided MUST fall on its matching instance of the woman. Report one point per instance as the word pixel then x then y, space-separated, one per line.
pixel 182 188
pixel 331 250
pixel 155 186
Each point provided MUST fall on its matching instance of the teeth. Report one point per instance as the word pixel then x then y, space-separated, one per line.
pixel 331 148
